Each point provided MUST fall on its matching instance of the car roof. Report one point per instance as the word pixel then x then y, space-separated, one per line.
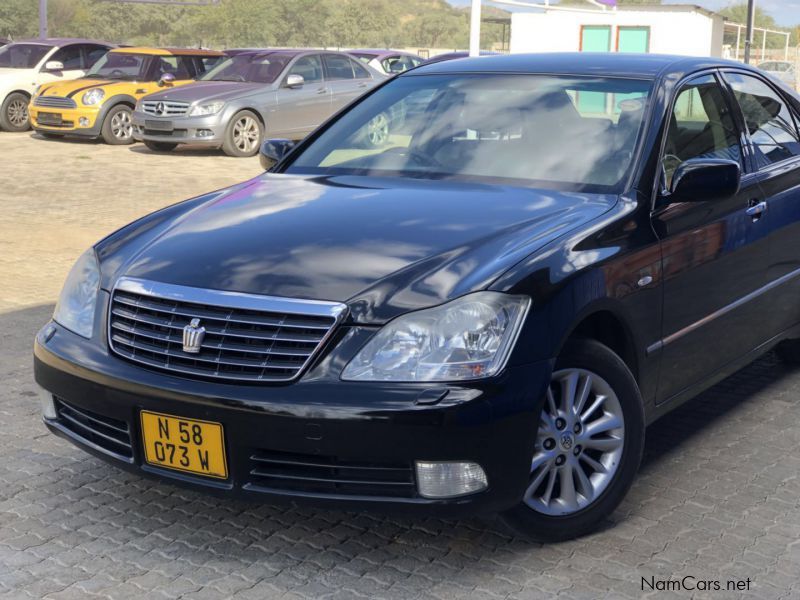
pixel 379 51
pixel 169 51
pixel 646 66
pixel 62 41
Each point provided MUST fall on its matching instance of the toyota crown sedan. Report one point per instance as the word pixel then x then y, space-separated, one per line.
pixel 253 95
pixel 481 316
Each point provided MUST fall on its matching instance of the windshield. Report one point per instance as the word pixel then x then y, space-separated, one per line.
pixel 22 56
pixel 574 133
pixel 121 66
pixel 246 67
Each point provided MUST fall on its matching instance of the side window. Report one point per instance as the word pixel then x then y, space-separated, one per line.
pixel 360 72
pixel 310 67
pixel 701 126
pixel 93 54
pixel 70 57
pixel 206 63
pixel 769 121
pixel 175 65
pixel 338 67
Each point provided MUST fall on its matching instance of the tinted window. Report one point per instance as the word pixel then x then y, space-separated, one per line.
pixel 509 127
pixel 22 56
pixel 360 72
pixel 701 127
pixel 70 57
pixel 247 67
pixel 93 54
pixel 120 65
pixel 768 120
pixel 338 67
pixel 206 63
pixel 178 66
pixel 310 67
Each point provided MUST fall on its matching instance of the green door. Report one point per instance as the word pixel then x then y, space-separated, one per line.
pixel 595 38
pixel 633 39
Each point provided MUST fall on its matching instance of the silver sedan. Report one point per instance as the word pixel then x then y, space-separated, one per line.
pixel 252 96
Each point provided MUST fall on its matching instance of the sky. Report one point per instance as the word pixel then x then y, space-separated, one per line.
pixel 785 12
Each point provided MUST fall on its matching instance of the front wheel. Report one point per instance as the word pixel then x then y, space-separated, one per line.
pixel 14 113
pixel 117 127
pixel 243 134
pixel 161 146
pixel 587 448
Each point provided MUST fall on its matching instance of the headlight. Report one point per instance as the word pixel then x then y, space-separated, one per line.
pixel 93 97
pixel 210 108
pixel 468 338
pixel 78 299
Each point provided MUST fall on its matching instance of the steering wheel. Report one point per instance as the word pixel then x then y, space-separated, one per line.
pixel 421 158
pixel 117 73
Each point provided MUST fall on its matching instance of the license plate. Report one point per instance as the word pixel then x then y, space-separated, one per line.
pixel 49 118
pixel 187 445
pixel 158 125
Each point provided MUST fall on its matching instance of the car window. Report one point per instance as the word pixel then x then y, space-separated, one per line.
pixel 178 66
pixel 360 72
pixel 338 67
pixel 769 121
pixel 206 63
pixel 120 66
pixel 397 64
pixel 93 54
pixel 524 128
pixel 70 57
pixel 22 56
pixel 310 67
pixel 701 126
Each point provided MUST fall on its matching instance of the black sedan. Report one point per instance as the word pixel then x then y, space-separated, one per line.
pixel 481 315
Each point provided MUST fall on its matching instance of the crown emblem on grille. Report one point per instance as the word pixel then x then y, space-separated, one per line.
pixel 193 335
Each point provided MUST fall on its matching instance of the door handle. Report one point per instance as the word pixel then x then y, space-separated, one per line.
pixel 322 91
pixel 363 84
pixel 756 210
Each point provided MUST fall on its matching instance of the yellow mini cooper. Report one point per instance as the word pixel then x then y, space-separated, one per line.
pixel 100 103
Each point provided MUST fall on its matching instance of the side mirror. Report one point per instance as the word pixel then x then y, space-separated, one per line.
pixel 295 81
pixel 166 80
pixel 53 65
pixel 705 179
pixel 273 151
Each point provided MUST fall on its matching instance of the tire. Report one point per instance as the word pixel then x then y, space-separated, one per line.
pixel 117 128
pixel 243 135
pixel 613 442
pixel 14 112
pixel 789 352
pixel 161 146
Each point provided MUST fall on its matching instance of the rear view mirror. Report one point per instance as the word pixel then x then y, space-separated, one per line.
pixel 295 81
pixel 273 151
pixel 54 65
pixel 705 179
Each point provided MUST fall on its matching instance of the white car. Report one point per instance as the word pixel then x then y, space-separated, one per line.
pixel 27 64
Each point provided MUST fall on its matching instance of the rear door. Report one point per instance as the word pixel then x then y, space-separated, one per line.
pixel 346 78
pixel 773 134
pixel 714 253
pixel 300 110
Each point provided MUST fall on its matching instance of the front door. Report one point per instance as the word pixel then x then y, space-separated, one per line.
pixel 300 110
pixel 714 252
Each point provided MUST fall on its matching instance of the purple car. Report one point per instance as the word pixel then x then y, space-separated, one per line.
pixel 388 62
pixel 455 55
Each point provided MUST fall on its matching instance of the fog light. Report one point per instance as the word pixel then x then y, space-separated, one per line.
pixel 48 404
pixel 449 479
pixel 83 122
pixel 204 133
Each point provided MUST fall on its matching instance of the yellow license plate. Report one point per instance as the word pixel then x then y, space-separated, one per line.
pixel 185 445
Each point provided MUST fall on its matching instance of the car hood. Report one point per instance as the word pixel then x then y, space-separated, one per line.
pixel 209 90
pixel 73 87
pixel 383 245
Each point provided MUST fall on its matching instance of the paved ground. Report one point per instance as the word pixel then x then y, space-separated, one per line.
pixel 717 498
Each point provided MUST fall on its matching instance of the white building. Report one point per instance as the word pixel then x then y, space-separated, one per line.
pixel 665 29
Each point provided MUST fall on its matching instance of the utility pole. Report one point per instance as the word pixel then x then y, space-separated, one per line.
pixel 475 29
pixel 42 18
pixel 748 40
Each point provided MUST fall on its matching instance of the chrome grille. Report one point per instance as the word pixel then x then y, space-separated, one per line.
pixel 247 337
pixel 54 102
pixel 165 109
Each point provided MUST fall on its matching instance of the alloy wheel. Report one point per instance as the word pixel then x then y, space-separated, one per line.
pixel 246 134
pixel 121 126
pixel 17 113
pixel 578 446
pixel 378 130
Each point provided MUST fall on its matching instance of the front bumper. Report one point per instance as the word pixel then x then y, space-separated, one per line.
pixel 324 420
pixel 70 120
pixel 208 130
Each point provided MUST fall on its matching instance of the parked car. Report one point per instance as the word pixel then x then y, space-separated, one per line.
pixel 455 56
pixel 27 64
pixel 388 62
pixel 284 93
pixel 781 70
pixel 100 104
pixel 482 317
